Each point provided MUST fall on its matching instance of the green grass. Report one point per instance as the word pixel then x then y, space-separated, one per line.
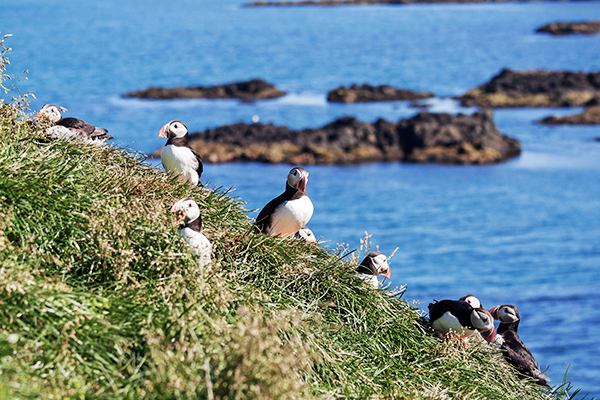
pixel 101 299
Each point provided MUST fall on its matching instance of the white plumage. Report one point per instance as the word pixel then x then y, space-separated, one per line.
pixel 182 161
pixel 291 216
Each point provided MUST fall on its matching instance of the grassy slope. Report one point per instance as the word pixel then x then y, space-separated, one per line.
pixel 99 297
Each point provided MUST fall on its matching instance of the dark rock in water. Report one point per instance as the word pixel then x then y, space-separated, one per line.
pixel 255 89
pixel 367 93
pixel 569 28
pixel 535 89
pixel 440 138
pixel 589 116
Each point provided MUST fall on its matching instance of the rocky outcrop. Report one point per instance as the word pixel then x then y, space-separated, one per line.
pixel 569 28
pixel 255 89
pixel 426 137
pixel 367 93
pixel 589 116
pixel 535 89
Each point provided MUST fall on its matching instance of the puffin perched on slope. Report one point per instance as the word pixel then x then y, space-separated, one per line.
pixel 177 155
pixel 305 234
pixel 375 264
pixel 72 128
pixel 191 223
pixel 290 211
pixel 515 352
pixel 460 317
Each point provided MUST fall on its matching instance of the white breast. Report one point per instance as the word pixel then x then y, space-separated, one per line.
pixel 448 322
pixel 198 242
pixel 181 160
pixel 290 216
pixel 371 279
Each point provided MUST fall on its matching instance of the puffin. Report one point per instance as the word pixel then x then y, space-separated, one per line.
pixel 462 318
pixel 375 264
pixel 177 155
pixel 71 128
pixel 191 223
pixel 513 349
pixel 290 211
pixel 305 234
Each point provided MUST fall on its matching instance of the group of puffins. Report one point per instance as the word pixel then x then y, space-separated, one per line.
pixel 287 215
pixel 463 317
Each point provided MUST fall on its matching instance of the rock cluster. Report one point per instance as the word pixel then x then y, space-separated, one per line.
pixel 426 137
pixel 589 116
pixel 569 28
pixel 535 89
pixel 255 89
pixel 367 93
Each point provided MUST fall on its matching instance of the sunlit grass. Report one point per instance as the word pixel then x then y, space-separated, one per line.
pixel 101 298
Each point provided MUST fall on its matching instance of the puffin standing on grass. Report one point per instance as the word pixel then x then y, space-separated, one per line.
pixel 289 212
pixel 177 155
pixel 191 224
pixel 375 264
pixel 460 317
pixel 515 352
pixel 72 128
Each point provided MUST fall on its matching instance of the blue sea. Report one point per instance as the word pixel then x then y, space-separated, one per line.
pixel 524 232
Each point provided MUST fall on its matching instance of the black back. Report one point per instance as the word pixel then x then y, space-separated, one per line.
pixel 264 220
pixel 517 354
pixel 89 131
pixel 460 309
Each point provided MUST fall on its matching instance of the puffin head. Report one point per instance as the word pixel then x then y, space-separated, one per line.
pixel 306 234
pixel 482 320
pixel 173 129
pixel 505 313
pixel 298 178
pixel 375 263
pixel 187 210
pixel 472 300
pixel 49 111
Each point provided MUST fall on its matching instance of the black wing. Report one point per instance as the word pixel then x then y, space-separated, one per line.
pixel 200 165
pixel 265 216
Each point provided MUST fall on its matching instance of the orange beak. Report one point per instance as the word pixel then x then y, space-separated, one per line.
pixel 37 115
pixel 303 184
pixel 162 133
pixel 174 206
pixel 494 313
pixel 388 274
pixel 489 335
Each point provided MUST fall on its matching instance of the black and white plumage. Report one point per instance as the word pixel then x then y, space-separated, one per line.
pixel 374 265
pixel 305 234
pixel 177 156
pixel 71 128
pixel 514 350
pixel 472 300
pixel 460 317
pixel 289 212
pixel 191 224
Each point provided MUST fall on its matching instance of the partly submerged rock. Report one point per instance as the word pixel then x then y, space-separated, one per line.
pixel 589 116
pixel 426 137
pixel 367 93
pixel 535 89
pixel 569 28
pixel 255 89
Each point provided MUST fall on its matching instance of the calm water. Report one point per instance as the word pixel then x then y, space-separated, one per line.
pixel 525 232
